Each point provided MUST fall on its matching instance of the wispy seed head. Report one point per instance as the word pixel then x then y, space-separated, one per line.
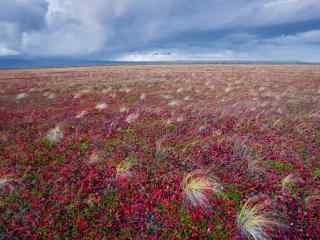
pixel 197 186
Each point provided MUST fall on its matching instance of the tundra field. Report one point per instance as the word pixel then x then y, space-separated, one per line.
pixel 160 152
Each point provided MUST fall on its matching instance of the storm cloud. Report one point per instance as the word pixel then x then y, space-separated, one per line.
pixel 161 30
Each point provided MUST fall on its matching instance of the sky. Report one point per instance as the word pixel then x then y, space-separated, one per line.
pixel 161 30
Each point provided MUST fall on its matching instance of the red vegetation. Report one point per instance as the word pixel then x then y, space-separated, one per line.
pixel 250 126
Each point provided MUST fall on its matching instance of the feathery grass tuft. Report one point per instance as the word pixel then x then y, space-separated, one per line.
pixel 101 106
pixel 197 186
pixel 21 96
pixel 291 184
pixel 142 96
pixel 55 135
pixel 255 221
pixel 82 114
pixel 132 117
pixel 242 150
pixel 6 181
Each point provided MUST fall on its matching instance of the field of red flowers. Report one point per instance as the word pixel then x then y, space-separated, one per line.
pixel 160 152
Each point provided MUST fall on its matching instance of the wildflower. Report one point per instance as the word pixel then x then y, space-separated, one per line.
pixel 197 186
pixel 82 114
pixel 132 117
pixel 21 96
pixel 55 134
pixel 254 220
pixel 101 106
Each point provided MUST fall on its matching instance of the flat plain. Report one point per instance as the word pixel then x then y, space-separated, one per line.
pixel 186 151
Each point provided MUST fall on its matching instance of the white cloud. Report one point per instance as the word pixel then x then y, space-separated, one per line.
pixel 309 37
pixel 176 55
pixel 7 52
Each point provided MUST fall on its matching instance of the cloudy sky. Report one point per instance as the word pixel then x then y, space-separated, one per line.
pixel 143 30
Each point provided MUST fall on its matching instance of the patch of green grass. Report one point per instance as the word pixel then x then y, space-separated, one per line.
pixel 316 172
pixel 234 196
pixel 280 166
pixel 185 218
pixel 109 200
pixel 219 233
pixel 125 233
pixel 113 141
pixel 303 151
pixel 46 143
pixel 60 159
pixel 131 99
pixel 84 145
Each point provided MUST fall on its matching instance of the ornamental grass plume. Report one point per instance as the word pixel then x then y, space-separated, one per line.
pixel 55 135
pixel 82 114
pixel 21 96
pixel 174 103
pixel 4 181
pixel 197 187
pixel 312 201
pixel 242 150
pixel 95 157
pixel 291 184
pixel 255 221
pixel 123 109
pixel 81 93
pixel 132 117
pixel 161 152
pixel 101 106
pixel 142 96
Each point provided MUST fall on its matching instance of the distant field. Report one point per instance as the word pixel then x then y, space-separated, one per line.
pixel 160 152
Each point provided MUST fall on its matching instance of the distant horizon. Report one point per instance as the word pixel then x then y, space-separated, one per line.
pixel 13 64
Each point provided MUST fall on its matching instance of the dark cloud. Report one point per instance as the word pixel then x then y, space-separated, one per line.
pixel 29 15
pixel 16 18
pixel 128 29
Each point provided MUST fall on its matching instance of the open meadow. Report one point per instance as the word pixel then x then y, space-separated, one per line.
pixel 187 151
